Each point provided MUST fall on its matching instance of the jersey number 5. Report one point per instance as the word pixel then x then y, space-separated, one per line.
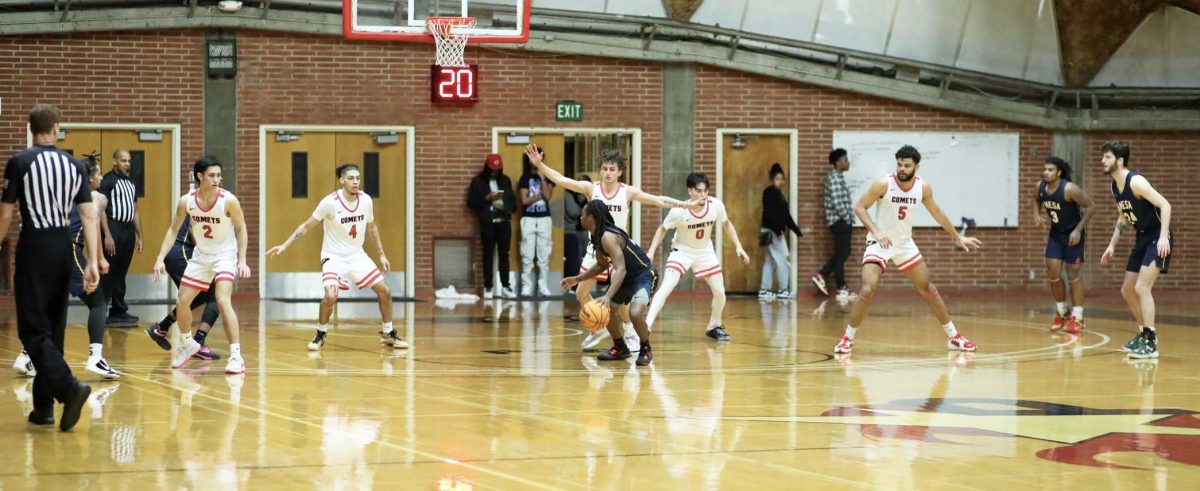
pixel 903 212
pixel 354 231
pixel 208 231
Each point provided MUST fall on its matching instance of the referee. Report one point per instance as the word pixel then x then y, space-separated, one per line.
pixel 125 235
pixel 48 182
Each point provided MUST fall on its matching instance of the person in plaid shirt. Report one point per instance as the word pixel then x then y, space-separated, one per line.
pixel 839 216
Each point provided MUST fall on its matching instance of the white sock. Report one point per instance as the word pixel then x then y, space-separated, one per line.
pixel 1061 307
pixel 387 327
pixel 96 350
pixel 322 327
pixel 185 335
pixel 1077 312
pixel 235 349
pixel 850 331
pixel 951 331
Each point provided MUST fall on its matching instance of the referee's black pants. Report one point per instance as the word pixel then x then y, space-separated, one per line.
pixel 43 272
pixel 125 237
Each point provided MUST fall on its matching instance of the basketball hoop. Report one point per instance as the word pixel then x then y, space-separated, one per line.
pixel 450 44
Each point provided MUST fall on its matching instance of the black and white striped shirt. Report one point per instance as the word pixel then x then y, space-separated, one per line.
pixel 49 183
pixel 122 196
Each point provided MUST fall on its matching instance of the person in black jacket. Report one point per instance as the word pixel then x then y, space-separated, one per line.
pixel 776 216
pixel 491 196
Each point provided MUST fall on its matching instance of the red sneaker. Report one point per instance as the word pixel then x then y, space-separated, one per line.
pixel 844 345
pixel 1074 325
pixel 1059 322
pixel 959 343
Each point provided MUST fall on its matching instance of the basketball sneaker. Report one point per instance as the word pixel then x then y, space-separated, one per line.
pixel 182 353
pixel 593 338
pixel 645 356
pixel 235 365
pixel 615 353
pixel 784 294
pixel 393 338
pixel 1059 322
pixel 24 365
pixel 318 341
pixel 99 366
pixel 1146 348
pixel 959 343
pixel 844 345
pixel 1132 343
pixel 819 281
pixel 159 336
pixel 488 293
pixel 507 292
pixel 206 354
pixel 1074 325
pixel 717 333
pixel 766 295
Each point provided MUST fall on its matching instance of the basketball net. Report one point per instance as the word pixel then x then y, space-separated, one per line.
pixel 450 44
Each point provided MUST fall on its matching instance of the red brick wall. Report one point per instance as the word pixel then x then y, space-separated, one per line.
pixel 299 79
pixel 726 98
pixel 105 77
pixel 305 79
pixel 1168 161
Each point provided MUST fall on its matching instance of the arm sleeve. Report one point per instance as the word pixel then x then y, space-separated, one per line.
pixel 12 185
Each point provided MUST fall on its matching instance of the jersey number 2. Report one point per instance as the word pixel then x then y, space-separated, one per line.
pixel 903 212
pixel 208 231
pixel 700 234
pixel 354 231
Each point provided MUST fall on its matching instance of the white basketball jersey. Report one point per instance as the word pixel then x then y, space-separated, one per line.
pixel 345 223
pixel 896 211
pixel 618 203
pixel 694 231
pixel 211 228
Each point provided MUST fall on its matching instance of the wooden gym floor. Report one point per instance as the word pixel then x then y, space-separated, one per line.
pixel 499 396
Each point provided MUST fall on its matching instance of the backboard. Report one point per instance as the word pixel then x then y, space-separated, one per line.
pixel 497 21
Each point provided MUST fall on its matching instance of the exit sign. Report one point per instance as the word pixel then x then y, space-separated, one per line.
pixel 568 111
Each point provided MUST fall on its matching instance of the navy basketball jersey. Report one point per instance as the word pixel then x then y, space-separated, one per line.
pixel 1064 214
pixel 636 260
pixel 1140 213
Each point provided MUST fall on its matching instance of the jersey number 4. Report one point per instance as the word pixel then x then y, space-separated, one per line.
pixel 208 231
pixel 354 231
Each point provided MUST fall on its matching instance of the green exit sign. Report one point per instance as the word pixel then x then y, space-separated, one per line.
pixel 568 111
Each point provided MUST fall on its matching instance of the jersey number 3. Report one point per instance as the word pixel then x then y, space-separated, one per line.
pixel 208 231
pixel 354 231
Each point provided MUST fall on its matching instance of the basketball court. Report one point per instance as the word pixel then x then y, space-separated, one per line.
pixel 498 393
pixel 499 396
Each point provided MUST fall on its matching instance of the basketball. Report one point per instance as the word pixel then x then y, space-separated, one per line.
pixel 594 316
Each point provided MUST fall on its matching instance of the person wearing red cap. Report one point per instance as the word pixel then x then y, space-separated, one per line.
pixel 491 196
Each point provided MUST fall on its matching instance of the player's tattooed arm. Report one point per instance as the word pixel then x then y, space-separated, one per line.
pixel 300 231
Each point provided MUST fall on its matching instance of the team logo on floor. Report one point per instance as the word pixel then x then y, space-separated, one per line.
pixel 1083 434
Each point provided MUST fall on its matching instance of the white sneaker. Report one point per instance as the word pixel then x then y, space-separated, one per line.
pixel 507 292
pixel 236 365
pixel 785 294
pixel 489 293
pixel 24 365
pixel 543 291
pixel 99 366
pixel 318 341
pixel 594 338
pixel 393 338
pixel 766 295
pixel 183 352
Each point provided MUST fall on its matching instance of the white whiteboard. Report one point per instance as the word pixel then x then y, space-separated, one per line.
pixel 974 175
